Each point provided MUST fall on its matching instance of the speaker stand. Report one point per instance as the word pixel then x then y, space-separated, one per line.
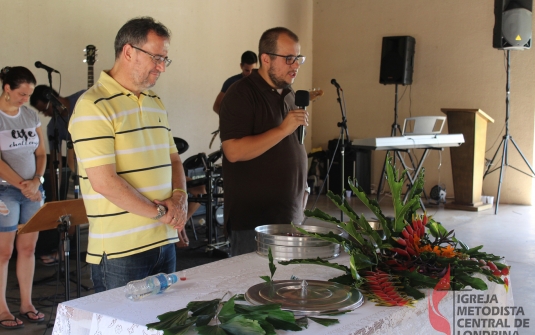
pixel 505 141
pixel 393 132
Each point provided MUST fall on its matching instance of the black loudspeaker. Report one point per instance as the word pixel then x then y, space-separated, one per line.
pixel 512 27
pixel 397 60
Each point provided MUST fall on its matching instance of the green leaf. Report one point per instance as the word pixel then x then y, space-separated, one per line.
pixel 267 327
pixel 267 279
pixel 170 319
pixel 419 280
pixel 242 326
pixel 239 308
pixel 228 307
pixel 373 205
pixel 282 324
pixel 181 313
pixel 330 237
pixel 203 320
pixel 272 267
pixel 343 206
pixel 228 317
pixel 211 330
pixel 346 279
pixel 475 283
pixel 365 225
pixel 361 261
pixel 415 293
pixel 437 230
pixel 324 322
pixel 178 330
pixel 321 215
pixel 203 307
pixel 474 250
pixel 282 316
pixel 317 261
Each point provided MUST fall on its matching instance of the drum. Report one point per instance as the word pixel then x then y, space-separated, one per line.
pixel 219 218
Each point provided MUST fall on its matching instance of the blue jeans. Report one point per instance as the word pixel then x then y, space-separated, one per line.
pixel 20 209
pixel 117 272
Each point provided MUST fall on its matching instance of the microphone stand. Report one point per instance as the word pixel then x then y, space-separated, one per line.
pixel 56 150
pixel 344 134
pixel 76 182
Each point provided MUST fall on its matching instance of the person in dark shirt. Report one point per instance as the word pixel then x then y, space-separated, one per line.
pixel 49 239
pixel 264 164
pixel 248 63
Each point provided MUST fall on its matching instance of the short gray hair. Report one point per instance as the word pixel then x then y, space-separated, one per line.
pixel 135 32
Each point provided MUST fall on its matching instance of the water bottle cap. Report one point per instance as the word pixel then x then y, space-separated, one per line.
pixel 173 277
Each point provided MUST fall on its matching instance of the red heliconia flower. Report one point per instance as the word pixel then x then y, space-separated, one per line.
pixel 382 288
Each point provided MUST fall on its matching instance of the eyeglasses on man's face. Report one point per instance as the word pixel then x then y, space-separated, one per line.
pixel 300 59
pixel 155 58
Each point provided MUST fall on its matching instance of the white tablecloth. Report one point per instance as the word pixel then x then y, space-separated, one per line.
pixel 111 313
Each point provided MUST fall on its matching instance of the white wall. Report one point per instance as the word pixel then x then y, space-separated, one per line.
pixel 455 66
pixel 208 38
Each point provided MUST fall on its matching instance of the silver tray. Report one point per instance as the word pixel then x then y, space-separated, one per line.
pixel 312 297
pixel 287 243
pixel 286 253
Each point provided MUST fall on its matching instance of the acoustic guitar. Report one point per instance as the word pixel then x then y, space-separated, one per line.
pixel 90 59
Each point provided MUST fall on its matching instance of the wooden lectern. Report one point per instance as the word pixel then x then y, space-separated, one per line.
pixel 49 216
pixel 468 160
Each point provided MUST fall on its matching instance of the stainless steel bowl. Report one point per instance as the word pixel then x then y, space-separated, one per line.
pixel 287 243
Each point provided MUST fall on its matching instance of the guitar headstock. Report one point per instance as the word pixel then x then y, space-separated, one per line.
pixel 90 54
pixel 315 93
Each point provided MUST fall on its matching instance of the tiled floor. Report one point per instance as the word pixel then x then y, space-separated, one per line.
pixel 510 233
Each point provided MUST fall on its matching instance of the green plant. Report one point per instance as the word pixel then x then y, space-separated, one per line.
pixel 414 251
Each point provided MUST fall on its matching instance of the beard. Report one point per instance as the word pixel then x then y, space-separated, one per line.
pixel 279 83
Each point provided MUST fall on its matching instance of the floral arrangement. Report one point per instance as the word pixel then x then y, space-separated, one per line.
pixel 413 251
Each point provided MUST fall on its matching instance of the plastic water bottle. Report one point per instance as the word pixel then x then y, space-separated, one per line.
pixel 151 285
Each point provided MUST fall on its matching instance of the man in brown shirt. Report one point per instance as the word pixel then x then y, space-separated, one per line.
pixel 264 164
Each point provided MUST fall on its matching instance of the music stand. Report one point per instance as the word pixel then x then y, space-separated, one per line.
pixel 59 215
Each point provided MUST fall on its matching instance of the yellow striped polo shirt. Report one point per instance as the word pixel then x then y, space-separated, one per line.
pixel 110 125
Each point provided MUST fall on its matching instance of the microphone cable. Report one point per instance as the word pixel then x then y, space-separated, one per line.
pixel 326 177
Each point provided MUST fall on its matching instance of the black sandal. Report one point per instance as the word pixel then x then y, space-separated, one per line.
pixel 29 319
pixel 17 326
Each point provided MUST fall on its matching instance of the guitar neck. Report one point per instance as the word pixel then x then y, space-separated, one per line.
pixel 90 80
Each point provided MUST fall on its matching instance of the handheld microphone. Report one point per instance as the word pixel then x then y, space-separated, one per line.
pixel 302 99
pixel 333 81
pixel 40 65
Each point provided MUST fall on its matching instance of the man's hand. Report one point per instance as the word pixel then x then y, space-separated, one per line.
pixel 250 147
pixel 177 209
pixel 294 119
pixel 184 241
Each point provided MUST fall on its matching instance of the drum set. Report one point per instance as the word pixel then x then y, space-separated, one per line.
pixel 203 170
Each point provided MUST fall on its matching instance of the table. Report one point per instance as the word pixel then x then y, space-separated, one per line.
pixel 111 313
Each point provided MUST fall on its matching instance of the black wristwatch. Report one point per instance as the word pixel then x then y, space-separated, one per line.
pixel 161 212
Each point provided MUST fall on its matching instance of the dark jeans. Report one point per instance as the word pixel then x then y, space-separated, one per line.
pixel 117 272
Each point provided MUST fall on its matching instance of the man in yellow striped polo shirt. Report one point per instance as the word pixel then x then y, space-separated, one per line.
pixel 132 180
